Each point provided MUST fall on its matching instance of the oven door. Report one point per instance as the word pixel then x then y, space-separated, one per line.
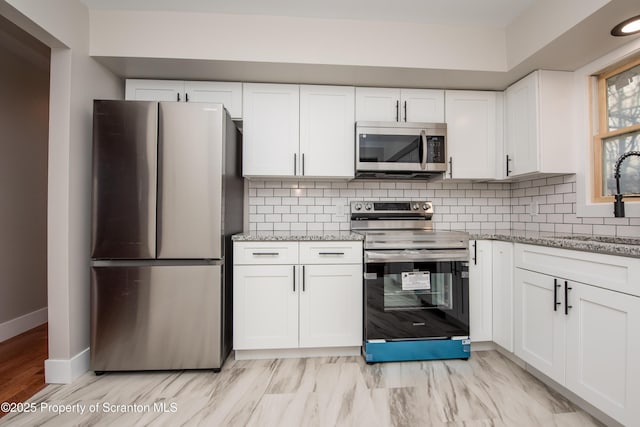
pixel 400 149
pixel 419 298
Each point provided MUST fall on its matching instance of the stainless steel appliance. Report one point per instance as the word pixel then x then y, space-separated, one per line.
pixel 416 283
pixel 167 196
pixel 400 150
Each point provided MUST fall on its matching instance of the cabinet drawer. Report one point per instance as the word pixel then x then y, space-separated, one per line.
pixel 330 252
pixel 251 253
pixel 606 271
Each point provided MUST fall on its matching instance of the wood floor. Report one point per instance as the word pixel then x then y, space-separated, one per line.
pixel 22 365
pixel 486 390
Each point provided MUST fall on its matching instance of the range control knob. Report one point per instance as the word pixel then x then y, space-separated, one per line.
pixel 415 206
pixel 425 207
pixel 357 206
pixel 368 206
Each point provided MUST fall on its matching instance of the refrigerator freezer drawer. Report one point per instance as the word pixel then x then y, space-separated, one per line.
pixel 156 318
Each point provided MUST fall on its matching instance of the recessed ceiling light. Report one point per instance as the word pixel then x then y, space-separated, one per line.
pixel 627 27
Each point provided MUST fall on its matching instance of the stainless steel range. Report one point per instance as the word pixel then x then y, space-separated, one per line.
pixel 416 283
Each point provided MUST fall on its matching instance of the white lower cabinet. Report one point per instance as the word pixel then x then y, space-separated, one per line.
pixel 540 325
pixel 330 301
pixel 265 307
pixel 603 350
pixel 313 302
pixel 480 291
pixel 583 336
pixel 502 280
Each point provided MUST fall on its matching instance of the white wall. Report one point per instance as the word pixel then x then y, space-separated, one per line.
pixel 24 114
pixel 542 22
pixel 295 40
pixel 76 79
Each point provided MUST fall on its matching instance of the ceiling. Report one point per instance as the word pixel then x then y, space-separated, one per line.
pixel 483 13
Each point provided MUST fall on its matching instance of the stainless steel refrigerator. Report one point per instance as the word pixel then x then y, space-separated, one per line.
pixel 167 196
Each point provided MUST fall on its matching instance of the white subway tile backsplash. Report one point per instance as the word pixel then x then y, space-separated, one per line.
pixel 324 205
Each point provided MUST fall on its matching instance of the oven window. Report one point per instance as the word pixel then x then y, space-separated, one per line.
pixel 437 296
pixel 378 148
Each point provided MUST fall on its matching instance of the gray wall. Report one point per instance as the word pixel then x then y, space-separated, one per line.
pixel 24 111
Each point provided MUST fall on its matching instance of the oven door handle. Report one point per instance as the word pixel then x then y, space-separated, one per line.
pixel 415 256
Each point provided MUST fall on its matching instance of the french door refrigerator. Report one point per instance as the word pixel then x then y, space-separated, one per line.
pixel 167 196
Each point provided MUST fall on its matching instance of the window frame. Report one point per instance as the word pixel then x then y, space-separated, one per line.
pixel 602 132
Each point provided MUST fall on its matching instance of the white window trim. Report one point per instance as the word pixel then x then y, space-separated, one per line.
pixel 584 115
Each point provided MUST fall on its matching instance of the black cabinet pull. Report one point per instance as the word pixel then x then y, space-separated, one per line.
pixel 302 164
pixel 186 97
pixel 303 284
pixel 405 111
pixel 397 111
pixel 295 164
pixel 294 278
pixel 331 253
pixel 567 288
pixel 451 167
pixel 475 252
pixel 178 96
pixel 266 253
pixel 555 295
pixel 508 160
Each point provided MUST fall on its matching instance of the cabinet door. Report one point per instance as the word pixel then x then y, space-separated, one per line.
pixel 265 307
pixel 331 306
pixel 603 350
pixel 480 291
pixel 326 131
pixel 227 93
pixel 539 329
pixel 154 90
pixel 271 130
pixel 472 130
pixel 502 259
pixel 422 105
pixel 377 104
pixel 522 125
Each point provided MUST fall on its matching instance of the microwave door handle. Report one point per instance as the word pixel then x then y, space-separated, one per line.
pixel 423 136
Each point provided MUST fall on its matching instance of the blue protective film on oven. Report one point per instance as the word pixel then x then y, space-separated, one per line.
pixel 397 351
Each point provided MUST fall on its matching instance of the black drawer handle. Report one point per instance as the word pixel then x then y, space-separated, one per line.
pixel 555 295
pixel 567 288
pixel 266 253
pixel 331 253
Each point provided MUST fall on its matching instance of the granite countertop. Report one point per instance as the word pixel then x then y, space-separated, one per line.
pixel 297 236
pixel 622 246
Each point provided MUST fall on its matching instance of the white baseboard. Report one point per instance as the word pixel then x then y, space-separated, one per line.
pixel 19 325
pixel 297 353
pixel 65 371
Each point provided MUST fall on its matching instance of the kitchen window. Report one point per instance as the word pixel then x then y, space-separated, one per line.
pixel 618 104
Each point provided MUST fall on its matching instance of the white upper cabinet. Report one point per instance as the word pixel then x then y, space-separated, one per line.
pixel 422 105
pixel 271 130
pixel 326 131
pixel 399 105
pixel 377 104
pixel 154 90
pixel 227 93
pixel 538 124
pixel 474 131
pixel 301 131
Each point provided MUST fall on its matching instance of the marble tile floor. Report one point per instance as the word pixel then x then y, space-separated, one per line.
pixel 486 390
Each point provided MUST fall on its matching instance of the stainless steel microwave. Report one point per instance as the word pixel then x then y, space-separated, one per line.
pixel 400 150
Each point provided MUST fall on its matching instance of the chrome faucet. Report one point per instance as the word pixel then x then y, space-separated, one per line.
pixel 618 204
